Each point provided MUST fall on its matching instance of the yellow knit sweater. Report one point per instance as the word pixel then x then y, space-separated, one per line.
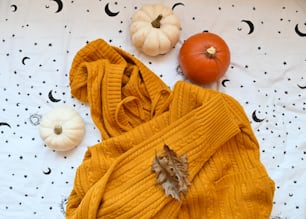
pixel 137 114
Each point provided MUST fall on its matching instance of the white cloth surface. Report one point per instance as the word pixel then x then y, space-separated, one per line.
pixel 39 39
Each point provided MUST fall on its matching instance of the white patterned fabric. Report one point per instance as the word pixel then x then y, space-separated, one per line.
pixel 38 40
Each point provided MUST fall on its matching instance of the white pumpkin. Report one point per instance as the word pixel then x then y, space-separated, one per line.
pixel 62 128
pixel 154 29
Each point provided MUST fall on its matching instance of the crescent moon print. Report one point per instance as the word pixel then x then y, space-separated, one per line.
pixel 48 171
pixel 224 82
pixel 63 204
pixel 14 8
pixel 50 95
pixel 298 32
pixel 5 124
pixel 177 4
pixel 24 59
pixel 250 24
pixel 109 12
pixel 255 118
pixel 179 70
pixel 59 5
pixel 302 87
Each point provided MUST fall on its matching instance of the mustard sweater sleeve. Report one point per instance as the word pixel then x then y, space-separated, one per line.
pixel 137 114
pixel 121 91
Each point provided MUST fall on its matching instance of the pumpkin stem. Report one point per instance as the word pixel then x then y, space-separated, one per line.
pixel 58 129
pixel 156 22
pixel 211 52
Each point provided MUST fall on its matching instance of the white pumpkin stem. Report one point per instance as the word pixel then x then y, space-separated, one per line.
pixel 156 22
pixel 211 52
pixel 58 129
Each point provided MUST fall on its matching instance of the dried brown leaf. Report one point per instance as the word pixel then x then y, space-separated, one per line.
pixel 171 172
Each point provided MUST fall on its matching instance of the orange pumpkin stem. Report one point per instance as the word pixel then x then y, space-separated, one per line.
pixel 211 52
pixel 156 22
pixel 58 129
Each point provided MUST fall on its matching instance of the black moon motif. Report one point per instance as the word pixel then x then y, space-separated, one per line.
pixel 298 32
pixel 63 204
pixel 251 25
pixel 59 5
pixel 224 82
pixel 302 87
pixel 177 4
pixel 179 70
pixel 109 12
pixel 23 60
pixel 50 95
pixel 14 8
pixel 5 124
pixel 255 118
pixel 47 172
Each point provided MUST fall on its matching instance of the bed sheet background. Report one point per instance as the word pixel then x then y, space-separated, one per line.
pixel 38 40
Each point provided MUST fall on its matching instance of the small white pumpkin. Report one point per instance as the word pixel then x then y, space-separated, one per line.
pixel 154 29
pixel 62 128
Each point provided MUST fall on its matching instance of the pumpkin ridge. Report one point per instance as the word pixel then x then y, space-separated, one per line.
pixel 172 40
pixel 141 16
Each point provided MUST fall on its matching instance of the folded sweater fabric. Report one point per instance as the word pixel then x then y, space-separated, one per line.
pixel 137 114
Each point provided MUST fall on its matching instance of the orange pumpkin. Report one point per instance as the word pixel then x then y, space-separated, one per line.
pixel 204 57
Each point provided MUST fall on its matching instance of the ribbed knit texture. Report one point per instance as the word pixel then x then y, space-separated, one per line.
pixel 137 114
